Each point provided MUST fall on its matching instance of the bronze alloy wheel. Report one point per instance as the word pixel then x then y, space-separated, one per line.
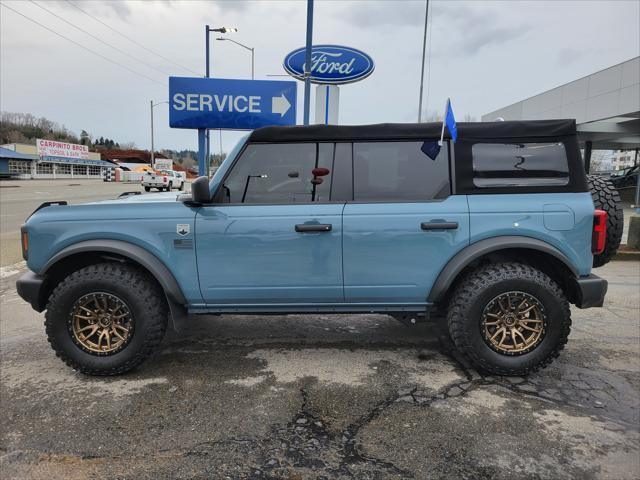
pixel 101 323
pixel 513 323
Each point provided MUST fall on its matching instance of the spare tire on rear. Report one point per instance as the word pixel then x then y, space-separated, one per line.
pixel 606 197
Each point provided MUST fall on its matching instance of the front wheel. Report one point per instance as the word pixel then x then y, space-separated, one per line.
pixel 147 189
pixel 509 319
pixel 106 319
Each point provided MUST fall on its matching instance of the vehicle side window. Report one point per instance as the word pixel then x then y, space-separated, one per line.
pixel 281 173
pixel 400 171
pixel 519 165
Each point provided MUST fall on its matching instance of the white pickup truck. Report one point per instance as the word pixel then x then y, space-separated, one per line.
pixel 162 180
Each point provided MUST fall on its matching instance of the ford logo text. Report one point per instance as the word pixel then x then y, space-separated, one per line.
pixel 330 64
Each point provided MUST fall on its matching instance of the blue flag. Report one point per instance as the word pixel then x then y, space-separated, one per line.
pixel 450 120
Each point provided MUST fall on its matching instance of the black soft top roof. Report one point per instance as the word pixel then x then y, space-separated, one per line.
pixel 417 131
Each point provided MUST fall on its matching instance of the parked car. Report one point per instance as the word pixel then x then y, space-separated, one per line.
pixel 625 178
pixel 162 180
pixel 496 233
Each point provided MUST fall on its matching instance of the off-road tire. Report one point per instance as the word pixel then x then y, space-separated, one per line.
pixel 147 189
pixel 144 298
pixel 606 197
pixel 478 288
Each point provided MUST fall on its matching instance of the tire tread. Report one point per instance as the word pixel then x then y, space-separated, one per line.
pixel 607 198
pixel 140 286
pixel 473 285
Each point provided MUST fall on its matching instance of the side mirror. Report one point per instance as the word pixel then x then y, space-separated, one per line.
pixel 200 190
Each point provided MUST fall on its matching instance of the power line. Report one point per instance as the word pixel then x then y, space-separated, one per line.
pixel 83 47
pixel 98 39
pixel 131 39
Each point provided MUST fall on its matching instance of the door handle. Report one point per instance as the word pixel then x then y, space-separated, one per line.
pixel 439 225
pixel 313 227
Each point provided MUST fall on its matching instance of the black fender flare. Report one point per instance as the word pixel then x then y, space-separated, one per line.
pixel 175 297
pixel 464 257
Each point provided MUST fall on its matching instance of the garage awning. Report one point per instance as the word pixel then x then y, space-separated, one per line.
pixel 12 155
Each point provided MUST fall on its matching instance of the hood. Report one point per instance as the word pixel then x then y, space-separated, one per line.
pixel 146 198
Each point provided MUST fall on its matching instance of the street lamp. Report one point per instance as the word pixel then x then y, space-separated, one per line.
pixel 208 29
pixel 203 133
pixel 251 49
pixel 152 147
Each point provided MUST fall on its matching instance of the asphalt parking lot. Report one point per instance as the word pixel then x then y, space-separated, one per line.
pixel 315 396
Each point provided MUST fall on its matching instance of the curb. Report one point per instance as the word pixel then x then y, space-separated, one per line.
pixel 625 254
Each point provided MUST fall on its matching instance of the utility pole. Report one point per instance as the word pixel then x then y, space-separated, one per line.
pixel 307 63
pixel 424 51
pixel 153 155
pixel 153 162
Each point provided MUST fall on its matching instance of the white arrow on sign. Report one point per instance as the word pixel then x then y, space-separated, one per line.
pixel 280 105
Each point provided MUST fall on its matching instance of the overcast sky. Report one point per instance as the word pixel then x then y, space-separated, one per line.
pixel 484 55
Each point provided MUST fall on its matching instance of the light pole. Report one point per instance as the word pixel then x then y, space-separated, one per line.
pixel 424 50
pixel 203 133
pixel 251 49
pixel 152 147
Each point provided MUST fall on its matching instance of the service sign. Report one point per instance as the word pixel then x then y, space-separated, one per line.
pixel 330 64
pixel 230 104
pixel 53 148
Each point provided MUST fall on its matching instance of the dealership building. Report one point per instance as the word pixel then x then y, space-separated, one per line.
pixel 605 104
pixel 51 159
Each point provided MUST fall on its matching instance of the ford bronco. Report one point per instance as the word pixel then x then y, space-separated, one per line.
pixel 496 233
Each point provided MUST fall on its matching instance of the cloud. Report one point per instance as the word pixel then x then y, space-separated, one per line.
pixel 120 8
pixel 463 29
pixel 469 29
pixel 366 14
pixel 233 5
pixel 567 56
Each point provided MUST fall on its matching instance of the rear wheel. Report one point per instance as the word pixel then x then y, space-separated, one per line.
pixel 147 189
pixel 606 197
pixel 106 319
pixel 170 187
pixel 509 319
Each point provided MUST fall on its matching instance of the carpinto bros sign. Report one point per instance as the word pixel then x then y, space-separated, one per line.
pixel 330 64
pixel 53 148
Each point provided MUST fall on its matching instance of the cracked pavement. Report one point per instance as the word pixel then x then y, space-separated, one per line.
pixel 324 397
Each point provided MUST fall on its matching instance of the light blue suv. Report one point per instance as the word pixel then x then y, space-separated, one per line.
pixel 497 232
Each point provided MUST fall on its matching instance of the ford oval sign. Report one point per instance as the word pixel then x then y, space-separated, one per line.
pixel 330 64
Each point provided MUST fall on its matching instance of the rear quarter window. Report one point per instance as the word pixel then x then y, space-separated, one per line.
pixel 519 165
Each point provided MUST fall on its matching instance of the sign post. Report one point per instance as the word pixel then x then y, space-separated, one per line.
pixel 327 104
pixel 307 64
